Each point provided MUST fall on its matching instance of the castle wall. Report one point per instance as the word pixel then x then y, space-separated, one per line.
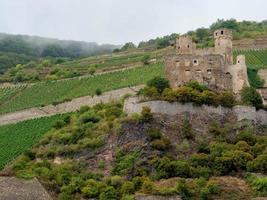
pixel 206 69
pixel 132 105
pixel 239 74
pixel 263 75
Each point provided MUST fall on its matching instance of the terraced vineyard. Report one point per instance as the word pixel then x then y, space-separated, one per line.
pixel 255 59
pixel 16 138
pixel 45 93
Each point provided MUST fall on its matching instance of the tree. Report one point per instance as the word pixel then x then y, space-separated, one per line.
pixel 250 96
pixel 159 83
pixel 145 59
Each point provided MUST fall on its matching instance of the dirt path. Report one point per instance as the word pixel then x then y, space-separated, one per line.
pixel 65 107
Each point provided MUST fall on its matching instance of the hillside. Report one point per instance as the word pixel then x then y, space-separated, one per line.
pixel 23 48
pixel 101 153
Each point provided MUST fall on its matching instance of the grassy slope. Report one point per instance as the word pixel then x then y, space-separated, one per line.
pixel 16 138
pixel 47 93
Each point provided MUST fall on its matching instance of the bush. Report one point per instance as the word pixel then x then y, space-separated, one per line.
pixel 195 85
pixel 151 92
pixel 183 189
pixel 161 144
pixel 246 135
pixel 159 83
pixel 169 95
pixel 259 164
pixel 109 193
pixel 145 59
pixel 127 188
pixel 250 96
pixel 98 91
pixel 146 114
pixel 226 99
pixel 154 134
pixel 210 189
pixel 186 94
pixel 59 124
pixel 167 168
pixel 187 130
pixel 147 187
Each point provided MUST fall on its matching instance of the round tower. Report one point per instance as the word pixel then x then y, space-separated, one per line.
pixel 223 44
pixel 185 45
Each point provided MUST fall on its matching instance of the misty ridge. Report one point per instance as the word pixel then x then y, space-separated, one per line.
pixel 36 46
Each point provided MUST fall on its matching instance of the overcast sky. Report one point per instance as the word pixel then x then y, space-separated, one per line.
pixel 120 21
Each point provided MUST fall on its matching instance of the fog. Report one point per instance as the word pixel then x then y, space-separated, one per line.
pixel 120 21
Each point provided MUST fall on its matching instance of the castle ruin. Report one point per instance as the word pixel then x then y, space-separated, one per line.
pixel 212 67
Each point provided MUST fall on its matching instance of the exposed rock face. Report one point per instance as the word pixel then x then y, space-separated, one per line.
pixel 237 113
pixel 17 189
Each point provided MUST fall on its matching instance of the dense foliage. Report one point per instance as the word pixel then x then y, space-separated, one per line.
pixel 250 96
pixel 70 160
pixel 158 88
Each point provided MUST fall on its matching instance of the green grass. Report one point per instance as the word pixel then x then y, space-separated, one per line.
pixel 45 93
pixel 16 138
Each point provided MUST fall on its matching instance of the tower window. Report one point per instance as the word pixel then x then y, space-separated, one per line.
pixel 209 71
pixel 216 33
pixel 222 32
pixel 195 61
pixel 188 46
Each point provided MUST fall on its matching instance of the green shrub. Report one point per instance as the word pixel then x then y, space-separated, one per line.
pixel 195 85
pixel 146 114
pixel 246 135
pixel 226 99
pixel 161 144
pixel 250 96
pixel 154 134
pixel 159 83
pixel 127 188
pixel 148 187
pixel 169 95
pixel 210 189
pixel 259 164
pixel 258 184
pixel 125 162
pixel 98 91
pixel 167 168
pixel 200 159
pixel 145 59
pixel 59 124
pixel 187 130
pixel 109 193
pixel 151 92
pixel 186 94
pixel 93 188
pixel 89 116
pixel 184 190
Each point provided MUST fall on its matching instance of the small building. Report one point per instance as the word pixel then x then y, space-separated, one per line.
pixel 212 67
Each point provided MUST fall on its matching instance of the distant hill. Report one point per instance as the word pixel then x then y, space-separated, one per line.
pixel 42 47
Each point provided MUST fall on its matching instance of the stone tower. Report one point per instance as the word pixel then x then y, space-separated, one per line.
pixel 223 44
pixel 185 45
pixel 239 74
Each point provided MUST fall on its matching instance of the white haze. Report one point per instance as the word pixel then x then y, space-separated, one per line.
pixel 120 21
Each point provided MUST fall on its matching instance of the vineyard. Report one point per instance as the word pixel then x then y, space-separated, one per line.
pixel 255 59
pixel 45 93
pixel 16 138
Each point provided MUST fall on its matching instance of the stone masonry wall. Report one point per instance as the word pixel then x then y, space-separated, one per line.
pixel 132 105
